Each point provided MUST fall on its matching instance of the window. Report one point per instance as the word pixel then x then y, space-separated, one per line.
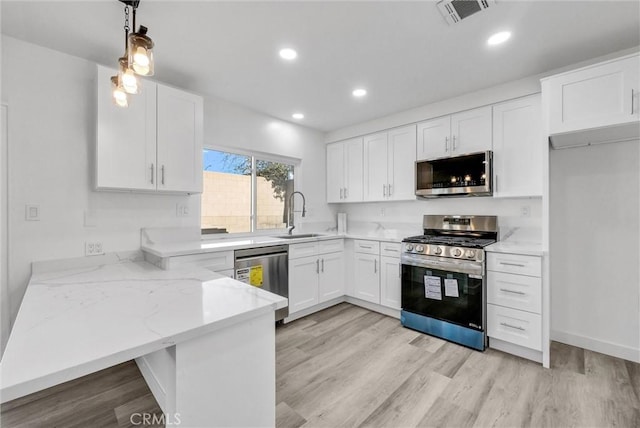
pixel 244 193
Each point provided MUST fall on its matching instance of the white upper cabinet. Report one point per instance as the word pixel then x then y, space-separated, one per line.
pixel 434 138
pixel 155 144
pixel 126 138
pixel 389 163
pixel 602 95
pixel 179 140
pixel 471 131
pixel 461 133
pixel 344 171
pixel 401 166
pixel 518 147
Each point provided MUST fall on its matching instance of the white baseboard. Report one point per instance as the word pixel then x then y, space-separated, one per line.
pixel 604 347
pixel 395 313
pixel 308 311
pixel 152 381
pixel 510 348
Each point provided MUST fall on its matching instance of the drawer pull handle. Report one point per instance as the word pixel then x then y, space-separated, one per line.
pixel 512 326
pixel 365 246
pixel 512 264
pixel 512 291
pixel 391 249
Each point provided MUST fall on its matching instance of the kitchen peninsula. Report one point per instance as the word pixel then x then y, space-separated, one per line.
pixel 216 335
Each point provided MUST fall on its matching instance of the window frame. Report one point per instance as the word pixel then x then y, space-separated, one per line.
pixel 254 155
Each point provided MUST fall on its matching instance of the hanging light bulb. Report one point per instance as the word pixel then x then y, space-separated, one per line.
pixel 117 91
pixel 129 80
pixel 141 52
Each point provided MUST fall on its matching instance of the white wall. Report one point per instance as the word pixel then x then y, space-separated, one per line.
pixel 51 99
pixel 230 126
pixel 595 247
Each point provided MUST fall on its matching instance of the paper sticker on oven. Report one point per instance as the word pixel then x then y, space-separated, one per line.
pixel 451 287
pixel 255 276
pixel 432 287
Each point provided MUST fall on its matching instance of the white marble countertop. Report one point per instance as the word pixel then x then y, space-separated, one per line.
pixel 524 241
pixel 171 249
pixel 78 321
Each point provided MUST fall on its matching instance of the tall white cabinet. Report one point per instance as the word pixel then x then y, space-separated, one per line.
pixel 155 144
pixel 518 148
pixel 344 171
pixel 389 159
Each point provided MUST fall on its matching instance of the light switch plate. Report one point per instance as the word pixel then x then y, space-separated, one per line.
pixel 32 212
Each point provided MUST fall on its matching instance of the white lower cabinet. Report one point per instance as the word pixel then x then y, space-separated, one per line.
pixel 367 277
pixel 514 301
pixel 377 272
pixel 514 326
pixel 390 276
pixel 315 278
pixel 303 283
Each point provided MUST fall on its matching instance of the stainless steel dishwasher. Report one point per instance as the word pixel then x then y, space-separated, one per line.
pixel 267 268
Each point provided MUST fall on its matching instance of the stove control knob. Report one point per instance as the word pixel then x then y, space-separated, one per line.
pixel 437 250
pixel 409 247
pixel 470 254
pixel 457 252
pixel 419 249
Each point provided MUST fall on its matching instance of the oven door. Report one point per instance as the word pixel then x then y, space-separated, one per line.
pixel 445 289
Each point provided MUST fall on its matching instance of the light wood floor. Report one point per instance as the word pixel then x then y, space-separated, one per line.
pixel 347 366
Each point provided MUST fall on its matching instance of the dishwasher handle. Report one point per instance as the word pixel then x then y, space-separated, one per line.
pixel 262 252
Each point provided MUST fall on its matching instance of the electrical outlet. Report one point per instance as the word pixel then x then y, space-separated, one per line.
pixel 525 211
pixel 93 248
pixel 182 210
pixel 382 212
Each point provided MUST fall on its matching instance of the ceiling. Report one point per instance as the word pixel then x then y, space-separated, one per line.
pixel 403 53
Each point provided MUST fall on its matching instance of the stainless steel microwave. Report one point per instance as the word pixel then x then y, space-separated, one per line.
pixel 465 175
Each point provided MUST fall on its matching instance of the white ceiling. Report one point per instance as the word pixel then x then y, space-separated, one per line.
pixel 402 52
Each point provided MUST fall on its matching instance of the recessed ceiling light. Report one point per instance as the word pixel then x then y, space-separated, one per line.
pixel 288 53
pixel 499 38
pixel 359 92
pixel 297 116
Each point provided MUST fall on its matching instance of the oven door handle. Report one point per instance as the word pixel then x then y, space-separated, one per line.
pixel 474 271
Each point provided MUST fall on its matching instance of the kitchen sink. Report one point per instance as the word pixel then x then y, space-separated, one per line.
pixel 301 235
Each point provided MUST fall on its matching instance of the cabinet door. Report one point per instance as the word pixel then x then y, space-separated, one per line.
pixel 335 172
pixel 375 167
pixel 125 138
pixel 390 282
pixel 518 147
pixel 434 138
pixel 303 283
pixel 353 159
pixel 367 277
pixel 592 97
pixel 401 163
pixel 179 141
pixel 331 280
pixel 471 131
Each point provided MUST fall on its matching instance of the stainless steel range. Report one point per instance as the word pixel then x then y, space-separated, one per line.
pixel 443 278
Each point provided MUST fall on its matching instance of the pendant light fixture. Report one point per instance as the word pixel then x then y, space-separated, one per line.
pixel 137 58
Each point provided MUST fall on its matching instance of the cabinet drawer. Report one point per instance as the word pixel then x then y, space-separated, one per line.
pixel 367 247
pixel 514 263
pixel 390 249
pixel 514 291
pixel 518 327
pixel 303 250
pixel 212 261
pixel 331 246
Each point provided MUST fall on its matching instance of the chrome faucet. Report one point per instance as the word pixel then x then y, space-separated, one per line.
pixel 290 225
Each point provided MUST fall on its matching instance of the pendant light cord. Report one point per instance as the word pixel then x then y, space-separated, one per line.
pixel 126 27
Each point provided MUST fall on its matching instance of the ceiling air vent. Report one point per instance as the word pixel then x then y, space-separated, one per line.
pixel 455 11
